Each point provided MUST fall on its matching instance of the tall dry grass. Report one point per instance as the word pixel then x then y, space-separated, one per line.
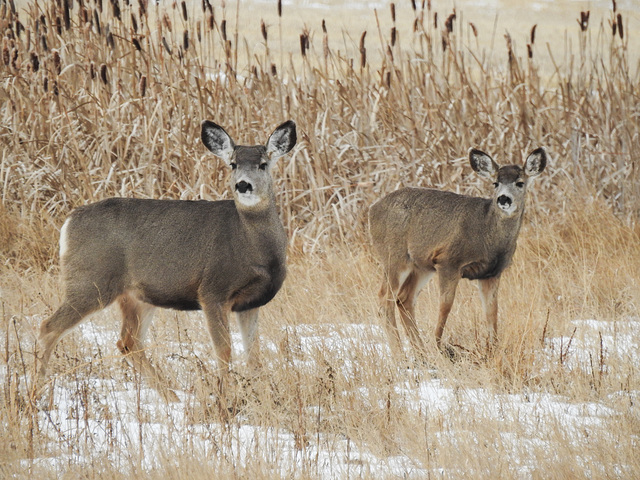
pixel 104 98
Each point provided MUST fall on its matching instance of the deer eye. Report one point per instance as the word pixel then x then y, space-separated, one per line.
pixel 262 166
pixel 233 165
pixel 495 184
pixel 519 184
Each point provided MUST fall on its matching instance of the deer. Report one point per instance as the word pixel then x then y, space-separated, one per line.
pixel 216 256
pixel 417 233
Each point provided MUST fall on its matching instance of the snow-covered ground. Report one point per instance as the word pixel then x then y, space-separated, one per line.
pixel 115 416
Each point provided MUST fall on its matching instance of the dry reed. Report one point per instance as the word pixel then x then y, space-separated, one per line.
pixel 104 98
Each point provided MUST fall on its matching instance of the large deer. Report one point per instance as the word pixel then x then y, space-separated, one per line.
pixel 419 232
pixel 219 256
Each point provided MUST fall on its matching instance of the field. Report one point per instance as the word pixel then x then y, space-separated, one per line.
pixel 102 98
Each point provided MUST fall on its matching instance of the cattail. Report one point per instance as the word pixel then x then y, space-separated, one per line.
pixel 393 12
pixel 388 79
pixel 223 27
pixel 35 61
pixel 413 5
pixel 59 26
pixel 43 40
pixel 263 29
pixel 57 63
pixel 166 45
pixel 435 20
pixel 363 51
pixel 103 73
pixel 615 6
pixel 199 30
pixel 474 29
pixel 185 40
pixel 45 84
pixel 96 21
pixel 529 50
pixel 620 28
pixel 533 34
pixel 304 43
pixel 65 13
pixel 324 27
pixel 274 71
pixel 134 23
pixel 167 22
pixel 6 56
pixel 116 9
pixel 185 16
pixel 19 28
pixel 393 36
pixel 279 8
pixel 54 88
pixel 142 86
pixel 136 43
pixel 210 21
pixel 92 71
pixel 584 20
pixel 110 41
pixel 449 22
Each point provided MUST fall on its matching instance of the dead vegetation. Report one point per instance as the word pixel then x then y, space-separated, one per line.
pixel 103 98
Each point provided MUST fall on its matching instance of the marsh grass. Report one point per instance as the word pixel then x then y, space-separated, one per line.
pixel 105 98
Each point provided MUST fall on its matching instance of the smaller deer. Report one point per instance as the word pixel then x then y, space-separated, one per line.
pixel 420 232
pixel 220 256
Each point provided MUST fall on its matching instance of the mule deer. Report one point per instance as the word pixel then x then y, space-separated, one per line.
pixel 218 256
pixel 418 232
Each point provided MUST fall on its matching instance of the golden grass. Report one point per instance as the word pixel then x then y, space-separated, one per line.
pixel 88 112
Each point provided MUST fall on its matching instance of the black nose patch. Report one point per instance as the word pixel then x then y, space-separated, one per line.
pixel 244 187
pixel 504 201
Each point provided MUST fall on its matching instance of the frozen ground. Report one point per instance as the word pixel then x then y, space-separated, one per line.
pixel 113 416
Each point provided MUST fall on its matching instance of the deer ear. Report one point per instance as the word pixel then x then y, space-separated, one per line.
pixel 482 163
pixel 282 140
pixel 217 140
pixel 535 163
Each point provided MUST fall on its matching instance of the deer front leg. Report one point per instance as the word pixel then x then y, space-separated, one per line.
pixel 489 295
pixel 248 322
pixel 448 282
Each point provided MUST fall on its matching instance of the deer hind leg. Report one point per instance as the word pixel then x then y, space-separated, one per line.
pixel 136 318
pixel 248 321
pixel 76 306
pixel 448 282
pixel 406 302
pixel 391 282
pixel 489 295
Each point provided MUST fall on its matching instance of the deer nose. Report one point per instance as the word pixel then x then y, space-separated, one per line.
pixel 244 187
pixel 504 201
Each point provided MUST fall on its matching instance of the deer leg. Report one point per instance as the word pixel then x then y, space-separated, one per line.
pixel 448 282
pixel 248 321
pixel 406 302
pixel 76 306
pixel 489 295
pixel 136 318
pixel 387 295
pixel 218 325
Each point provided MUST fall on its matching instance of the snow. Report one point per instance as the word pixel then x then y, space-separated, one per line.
pixel 127 416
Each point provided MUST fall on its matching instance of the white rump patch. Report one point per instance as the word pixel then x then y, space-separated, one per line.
pixel 64 239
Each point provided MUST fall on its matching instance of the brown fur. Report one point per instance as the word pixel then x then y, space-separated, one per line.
pixel 419 232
